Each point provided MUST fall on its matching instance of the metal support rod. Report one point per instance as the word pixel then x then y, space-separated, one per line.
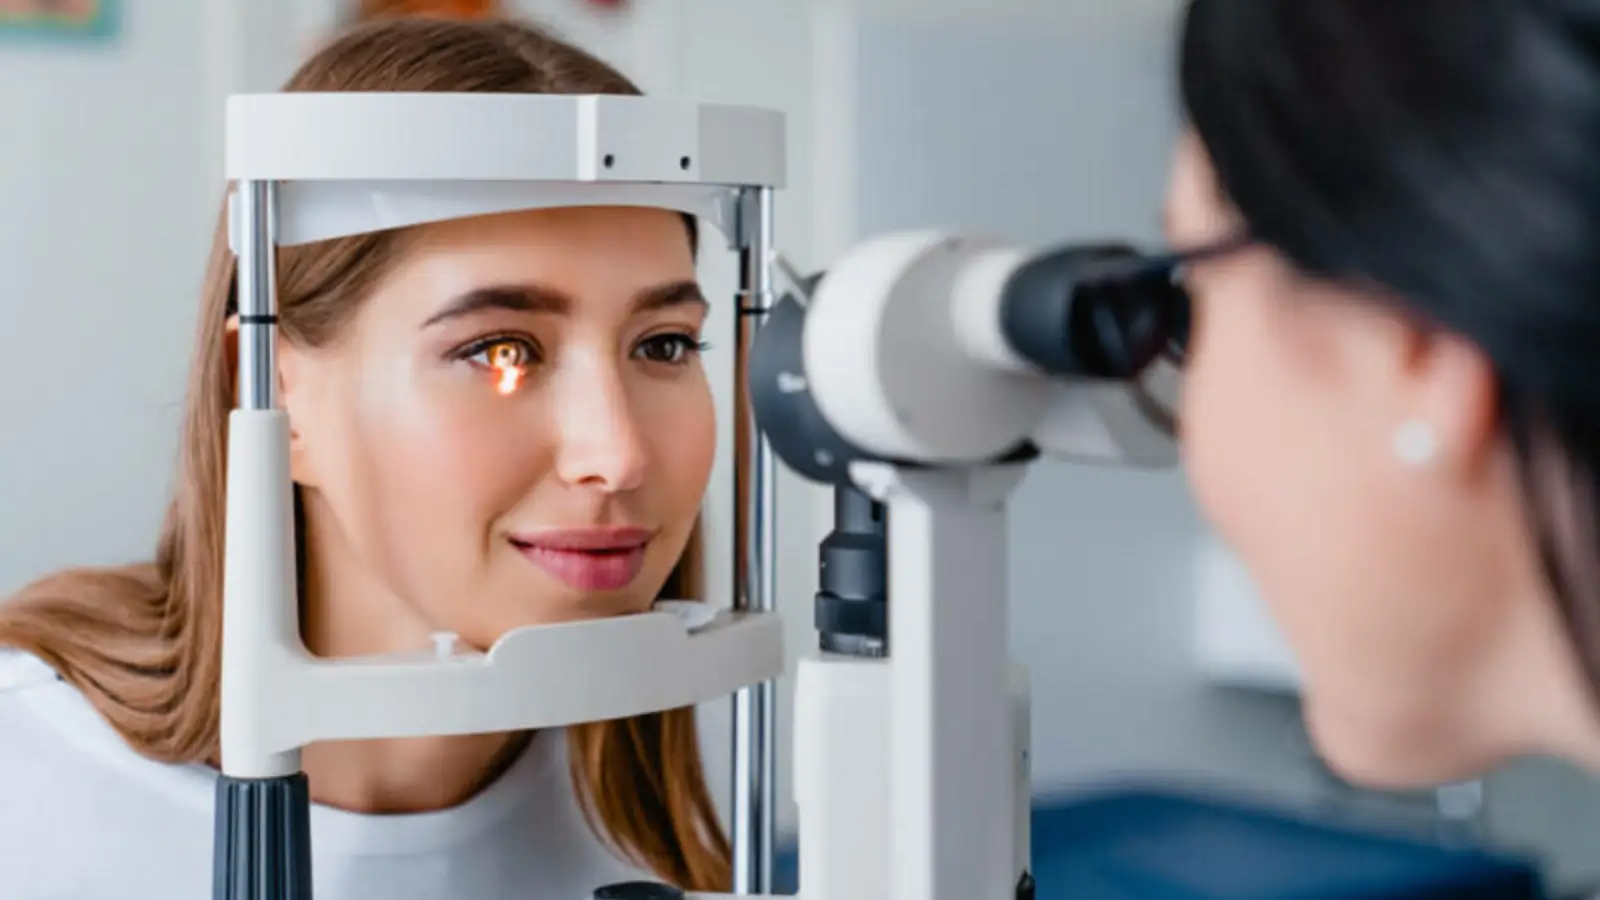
pixel 261 833
pixel 256 228
pixel 755 561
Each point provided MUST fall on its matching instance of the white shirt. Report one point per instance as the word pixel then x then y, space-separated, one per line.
pixel 84 817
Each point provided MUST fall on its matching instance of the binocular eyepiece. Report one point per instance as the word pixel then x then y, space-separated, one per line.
pixel 1091 312
pixel 1104 312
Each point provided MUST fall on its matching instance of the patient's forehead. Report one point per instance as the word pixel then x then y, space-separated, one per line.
pixel 595 228
pixel 597 259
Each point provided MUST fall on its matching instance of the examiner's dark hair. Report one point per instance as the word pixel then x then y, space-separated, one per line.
pixel 1451 156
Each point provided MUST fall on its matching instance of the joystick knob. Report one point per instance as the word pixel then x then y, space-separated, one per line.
pixel 638 890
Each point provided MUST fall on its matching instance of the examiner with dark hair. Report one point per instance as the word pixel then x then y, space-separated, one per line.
pixel 1392 411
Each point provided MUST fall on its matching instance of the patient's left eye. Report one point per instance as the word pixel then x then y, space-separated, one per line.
pixel 670 349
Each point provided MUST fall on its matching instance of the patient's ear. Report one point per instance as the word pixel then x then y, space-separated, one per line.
pixel 290 365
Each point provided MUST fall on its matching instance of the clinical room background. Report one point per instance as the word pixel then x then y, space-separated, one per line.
pixel 1033 121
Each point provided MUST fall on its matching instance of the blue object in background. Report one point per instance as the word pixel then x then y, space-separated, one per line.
pixel 1167 844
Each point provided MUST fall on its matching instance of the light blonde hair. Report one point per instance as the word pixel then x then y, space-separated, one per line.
pixel 143 642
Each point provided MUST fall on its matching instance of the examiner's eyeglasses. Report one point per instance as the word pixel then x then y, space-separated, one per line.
pixel 1152 287
pixel 1157 283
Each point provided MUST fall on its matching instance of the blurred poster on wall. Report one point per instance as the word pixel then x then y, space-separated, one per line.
pixel 366 10
pixel 57 18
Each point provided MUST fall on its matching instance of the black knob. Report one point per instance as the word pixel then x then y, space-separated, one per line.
pixel 780 399
pixel 638 890
pixel 852 610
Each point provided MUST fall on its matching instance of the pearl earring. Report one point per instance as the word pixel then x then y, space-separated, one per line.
pixel 1415 444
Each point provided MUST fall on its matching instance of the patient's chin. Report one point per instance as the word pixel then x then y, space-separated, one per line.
pixel 528 612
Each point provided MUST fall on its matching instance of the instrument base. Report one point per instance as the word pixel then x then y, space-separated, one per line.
pixel 263 839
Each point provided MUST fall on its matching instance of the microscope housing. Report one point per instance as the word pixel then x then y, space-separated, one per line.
pixel 917 378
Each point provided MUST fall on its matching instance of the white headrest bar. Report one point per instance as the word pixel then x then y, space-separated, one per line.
pixel 319 210
pixel 501 137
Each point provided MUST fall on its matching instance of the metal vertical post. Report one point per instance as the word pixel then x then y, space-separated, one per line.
pixel 261 833
pixel 755 562
pixel 255 225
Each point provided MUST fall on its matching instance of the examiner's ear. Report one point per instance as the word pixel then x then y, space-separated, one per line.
pixel 1196 211
pixel 1436 390
pixel 1452 387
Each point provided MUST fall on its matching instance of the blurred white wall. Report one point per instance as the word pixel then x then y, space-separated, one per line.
pixel 104 222
pixel 110 180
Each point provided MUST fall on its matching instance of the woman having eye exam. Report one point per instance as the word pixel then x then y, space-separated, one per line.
pixel 1392 410
pixel 495 422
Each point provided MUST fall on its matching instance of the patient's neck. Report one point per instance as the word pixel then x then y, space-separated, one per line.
pixel 390 775
pixel 407 776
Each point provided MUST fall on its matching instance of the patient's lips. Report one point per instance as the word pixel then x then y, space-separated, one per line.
pixel 588 559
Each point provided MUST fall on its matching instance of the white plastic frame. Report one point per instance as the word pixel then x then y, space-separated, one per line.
pixel 350 163
pixel 310 167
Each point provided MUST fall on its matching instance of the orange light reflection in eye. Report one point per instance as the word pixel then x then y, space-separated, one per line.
pixel 510 377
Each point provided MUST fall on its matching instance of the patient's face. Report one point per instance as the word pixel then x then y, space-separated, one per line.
pixel 515 429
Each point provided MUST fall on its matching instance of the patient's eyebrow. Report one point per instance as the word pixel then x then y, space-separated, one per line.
pixel 529 298
pixel 666 296
pixel 533 298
